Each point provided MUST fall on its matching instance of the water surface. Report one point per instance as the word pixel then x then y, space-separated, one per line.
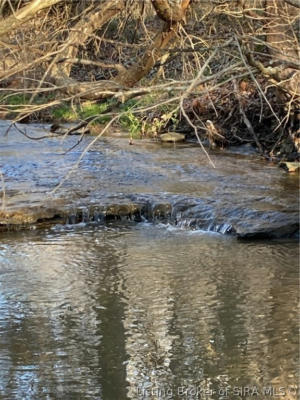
pixel 243 194
pixel 146 312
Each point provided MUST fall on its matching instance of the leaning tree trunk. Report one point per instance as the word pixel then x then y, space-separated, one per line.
pixel 172 12
pixel 126 78
pixel 154 52
pixel 24 14
pixel 79 34
pixel 8 61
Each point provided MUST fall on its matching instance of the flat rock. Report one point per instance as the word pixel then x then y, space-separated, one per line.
pixel 282 226
pixel 242 196
pixel 290 166
pixel 172 137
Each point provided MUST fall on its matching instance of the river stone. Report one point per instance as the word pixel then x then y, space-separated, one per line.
pixel 282 227
pixel 122 210
pixel 31 216
pixel 161 211
pixel 290 166
pixel 172 137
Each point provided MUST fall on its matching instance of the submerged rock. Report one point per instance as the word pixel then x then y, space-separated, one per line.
pixel 186 213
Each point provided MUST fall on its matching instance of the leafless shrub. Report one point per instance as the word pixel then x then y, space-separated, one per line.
pixel 112 49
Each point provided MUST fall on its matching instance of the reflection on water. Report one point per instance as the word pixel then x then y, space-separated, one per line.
pixel 146 313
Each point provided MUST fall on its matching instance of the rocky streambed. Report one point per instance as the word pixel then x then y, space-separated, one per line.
pixel 171 183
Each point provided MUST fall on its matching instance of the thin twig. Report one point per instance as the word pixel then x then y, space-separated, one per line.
pixel 245 118
pixel 3 191
pixel 255 80
pixel 70 172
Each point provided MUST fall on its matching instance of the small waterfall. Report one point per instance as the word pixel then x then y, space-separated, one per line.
pixel 225 228
pixel 193 218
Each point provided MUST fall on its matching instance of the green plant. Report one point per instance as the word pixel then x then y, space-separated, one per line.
pixel 14 99
pixel 159 123
pixel 129 105
pixel 132 123
pixel 86 110
pixel 64 112
pixel 89 109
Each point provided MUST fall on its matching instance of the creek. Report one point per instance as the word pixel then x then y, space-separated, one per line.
pixel 135 279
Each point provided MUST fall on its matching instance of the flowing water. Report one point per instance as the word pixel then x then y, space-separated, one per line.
pixel 242 195
pixel 115 310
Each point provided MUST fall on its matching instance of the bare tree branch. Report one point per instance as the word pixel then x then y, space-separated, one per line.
pixel 24 14
pixel 295 3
